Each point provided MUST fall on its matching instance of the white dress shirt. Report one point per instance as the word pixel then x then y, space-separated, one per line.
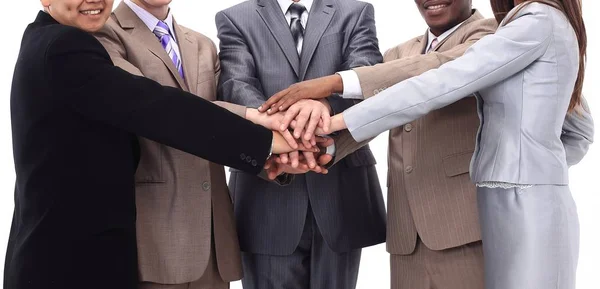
pixel 285 5
pixel 352 88
pixel 152 22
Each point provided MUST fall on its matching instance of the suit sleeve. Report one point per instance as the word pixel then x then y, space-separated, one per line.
pixel 512 48
pixel 380 76
pixel 362 50
pixel 238 82
pixel 578 134
pixel 81 73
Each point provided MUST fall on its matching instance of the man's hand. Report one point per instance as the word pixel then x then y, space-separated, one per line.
pixel 296 163
pixel 317 88
pixel 314 161
pixel 308 114
pixel 275 166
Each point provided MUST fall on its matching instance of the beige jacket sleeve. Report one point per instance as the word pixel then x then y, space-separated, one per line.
pixel 396 68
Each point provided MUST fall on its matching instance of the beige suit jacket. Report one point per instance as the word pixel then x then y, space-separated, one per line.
pixel 175 190
pixel 429 189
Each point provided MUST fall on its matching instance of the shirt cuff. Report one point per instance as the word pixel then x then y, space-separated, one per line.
pixel 331 150
pixel 352 89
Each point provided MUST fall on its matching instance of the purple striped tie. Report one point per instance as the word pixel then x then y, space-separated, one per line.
pixel 162 31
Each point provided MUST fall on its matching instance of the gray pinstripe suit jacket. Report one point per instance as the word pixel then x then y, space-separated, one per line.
pixel 258 59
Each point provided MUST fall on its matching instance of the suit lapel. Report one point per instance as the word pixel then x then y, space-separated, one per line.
pixel 422 43
pixel 273 17
pixel 318 20
pixel 188 47
pixel 129 21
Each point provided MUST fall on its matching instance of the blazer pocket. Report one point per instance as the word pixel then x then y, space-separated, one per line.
pixel 150 167
pixel 360 158
pixel 457 164
pixel 331 38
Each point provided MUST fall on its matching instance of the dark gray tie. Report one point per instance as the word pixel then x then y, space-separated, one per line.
pixel 296 10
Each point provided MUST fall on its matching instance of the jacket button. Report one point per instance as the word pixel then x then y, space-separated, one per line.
pixel 206 186
pixel 408 127
pixel 408 169
pixel 254 163
pixel 248 159
pixel 243 156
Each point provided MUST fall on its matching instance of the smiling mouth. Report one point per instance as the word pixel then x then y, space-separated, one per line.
pixel 91 12
pixel 435 7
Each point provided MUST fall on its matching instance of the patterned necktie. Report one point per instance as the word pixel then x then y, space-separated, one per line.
pixel 434 42
pixel 162 32
pixel 296 10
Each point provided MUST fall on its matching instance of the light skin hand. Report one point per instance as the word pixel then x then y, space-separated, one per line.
pixel 276 167
pixel 272 122
pixel 337 123
pixel 308 114
pixel 317 88
pixel 280 145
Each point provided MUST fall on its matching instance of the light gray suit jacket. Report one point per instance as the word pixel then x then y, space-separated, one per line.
pixel 524 75
pixel 258 59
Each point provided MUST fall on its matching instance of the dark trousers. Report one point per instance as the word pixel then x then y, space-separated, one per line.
pixel 313 265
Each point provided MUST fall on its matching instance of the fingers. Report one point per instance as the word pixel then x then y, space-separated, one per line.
pixel 285 103
pixel 310 159
pixel 325 141
pixel 325 159
pixel 315 117
pixel 294 159
pixel 268 105
pixel 284 158
pixel 289 138
pixel 301 120
pixel 326 119
pixel 290 116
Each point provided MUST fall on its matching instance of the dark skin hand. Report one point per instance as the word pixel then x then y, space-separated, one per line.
pixel 317 88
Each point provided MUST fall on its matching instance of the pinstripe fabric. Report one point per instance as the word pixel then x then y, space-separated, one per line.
pixel 258 59
pixel 430 193
pixel 173 187
pixel 456 268
pixel 312 265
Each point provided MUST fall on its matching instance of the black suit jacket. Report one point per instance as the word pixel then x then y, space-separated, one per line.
pixel 74 121
pixel 258 59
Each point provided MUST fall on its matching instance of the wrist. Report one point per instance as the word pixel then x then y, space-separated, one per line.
pixel 336 83
pixel 326 103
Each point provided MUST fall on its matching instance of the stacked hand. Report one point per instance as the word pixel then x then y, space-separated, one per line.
pixel 297 148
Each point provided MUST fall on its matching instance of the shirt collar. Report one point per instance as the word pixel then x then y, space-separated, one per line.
pixel 285 4
pixel 149 19
pixel 442 36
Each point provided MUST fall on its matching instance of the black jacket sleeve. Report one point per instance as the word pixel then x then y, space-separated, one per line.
pixel 81 73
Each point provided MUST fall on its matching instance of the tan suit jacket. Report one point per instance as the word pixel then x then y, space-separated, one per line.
pixel 429 189
pixel 175 190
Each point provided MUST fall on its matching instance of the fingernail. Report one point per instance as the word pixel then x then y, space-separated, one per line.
pixel 282 127
pixel 260 107
pixel 281 108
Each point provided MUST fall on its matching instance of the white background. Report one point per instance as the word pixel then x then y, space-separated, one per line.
pixel 397 21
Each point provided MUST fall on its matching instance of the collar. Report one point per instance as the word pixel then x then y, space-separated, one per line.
pixel 149 19
pixel 285 4
pixel 443 36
